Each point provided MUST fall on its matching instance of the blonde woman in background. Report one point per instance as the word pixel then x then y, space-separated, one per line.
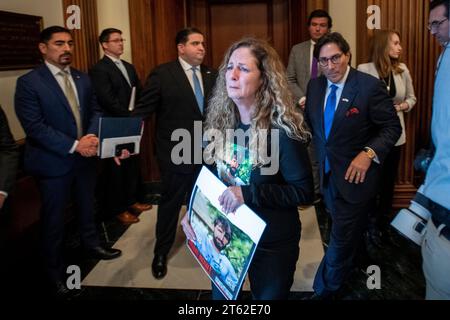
pixel 386 65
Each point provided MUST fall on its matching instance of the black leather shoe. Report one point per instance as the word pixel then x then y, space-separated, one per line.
pixel 103 253
pixel 159 266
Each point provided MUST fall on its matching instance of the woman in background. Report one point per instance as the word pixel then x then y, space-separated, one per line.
pixel 386 65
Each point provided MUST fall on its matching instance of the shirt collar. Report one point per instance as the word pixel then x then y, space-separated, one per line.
pixel 114 59
pixel 186 66
pixel 341 83
pixel 55 70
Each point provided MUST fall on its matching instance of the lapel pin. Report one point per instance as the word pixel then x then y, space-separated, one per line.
pixel 345 100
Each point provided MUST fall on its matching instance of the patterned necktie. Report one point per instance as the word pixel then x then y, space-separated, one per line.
pixel 197 89
pixel 122 69
pixel 330 109
pixel 72 99
pixel 314 69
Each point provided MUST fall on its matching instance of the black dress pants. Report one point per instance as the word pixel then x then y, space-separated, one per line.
pixel 176 188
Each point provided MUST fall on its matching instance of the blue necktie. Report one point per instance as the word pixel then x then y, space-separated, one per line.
pixel 330 109
pixel 197 89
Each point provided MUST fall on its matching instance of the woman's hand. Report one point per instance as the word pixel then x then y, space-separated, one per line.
pixel 231 199
pixel 402 106
pixel 187 229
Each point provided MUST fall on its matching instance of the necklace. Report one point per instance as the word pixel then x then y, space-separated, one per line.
pixel 388 84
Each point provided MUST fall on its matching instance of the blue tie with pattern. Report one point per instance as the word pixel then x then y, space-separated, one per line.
pixel 330 109
pixel 197 89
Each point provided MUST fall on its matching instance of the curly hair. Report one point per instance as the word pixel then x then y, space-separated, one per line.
pixel 274 107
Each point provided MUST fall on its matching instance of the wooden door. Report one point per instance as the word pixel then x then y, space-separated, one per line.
pixel 281 22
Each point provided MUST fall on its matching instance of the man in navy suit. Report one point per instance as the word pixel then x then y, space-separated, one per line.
pixel 177 91
pixel 354 126
pixel 58 110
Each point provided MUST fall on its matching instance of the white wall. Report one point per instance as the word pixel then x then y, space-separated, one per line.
pixel 343 13
pixel 52 13
pixel 114 14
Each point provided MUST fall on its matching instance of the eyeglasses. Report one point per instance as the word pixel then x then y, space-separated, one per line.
pixel 334 60
pixel 117 40
pixel 435 25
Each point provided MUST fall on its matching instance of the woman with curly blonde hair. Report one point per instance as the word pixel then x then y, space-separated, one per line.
pixel 252 96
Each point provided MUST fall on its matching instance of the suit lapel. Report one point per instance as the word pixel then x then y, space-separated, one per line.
pixel 347 97
pixel 307 60
pixel 208 83
pixel 54 86
pixel 112 66
pixel 319 110
pixel 130 74
pixel 80 91
pixel 183 82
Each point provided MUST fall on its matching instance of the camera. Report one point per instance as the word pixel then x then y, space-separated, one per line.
pixel 411 222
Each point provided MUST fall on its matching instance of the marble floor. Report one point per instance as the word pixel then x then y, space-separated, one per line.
pixel 132 269
pixel 129 278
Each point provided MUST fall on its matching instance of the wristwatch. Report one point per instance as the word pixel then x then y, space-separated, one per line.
pixel 370 153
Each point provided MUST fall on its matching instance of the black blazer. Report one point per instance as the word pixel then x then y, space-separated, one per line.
pixel 169 93
pixel 275 198
pixel 112 89
pixel 9 155
pixel 365 117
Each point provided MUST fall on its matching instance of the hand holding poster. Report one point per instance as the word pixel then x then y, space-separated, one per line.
pixel 225 244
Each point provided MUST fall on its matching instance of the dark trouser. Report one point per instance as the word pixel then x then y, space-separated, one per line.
pixel 315 167
pixel 348 223
pixel 55 193
pixel 271 272
pixel 175 188
pixel 379 217
pixel 120 185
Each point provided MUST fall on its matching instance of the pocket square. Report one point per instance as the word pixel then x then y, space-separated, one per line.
pixel 352 112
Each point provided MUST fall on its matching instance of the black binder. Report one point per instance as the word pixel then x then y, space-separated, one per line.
pixel 116 134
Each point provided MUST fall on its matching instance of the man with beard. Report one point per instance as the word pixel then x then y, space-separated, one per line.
pixel 212 249
pixel 58 110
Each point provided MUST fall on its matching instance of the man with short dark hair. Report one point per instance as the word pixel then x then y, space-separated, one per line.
pixel 211 248
pixel 354 126
pixel 436 244
pixel 117 85
pixel 178 92
pixel 302 67
pixel 58 110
